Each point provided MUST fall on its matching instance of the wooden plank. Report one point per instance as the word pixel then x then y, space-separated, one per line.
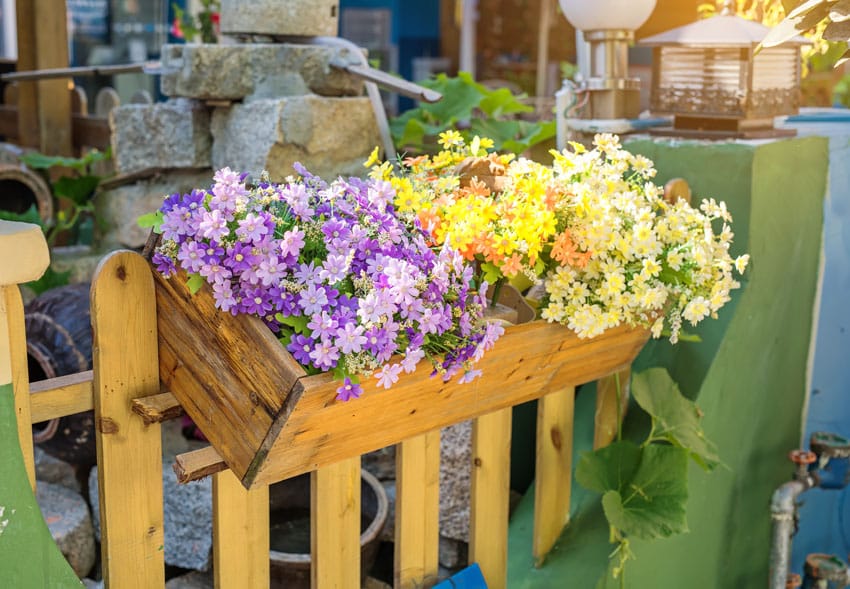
pixel 61 396
pixel 230 374
pixel 129 453
pixel 44 106
pixel 240 534
pixel 417 509
pixel 607 413
pixel 490 496
pixel 197 464
pixel 529 361
pixel 335 526
pixel 157 408
pixel 13 334
pixel 553 479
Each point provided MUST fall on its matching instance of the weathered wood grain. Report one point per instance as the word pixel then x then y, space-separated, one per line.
pixel 125 368
pixel 61 396
pixel 490 496
pixel 157 408
pixel 197 464
pixel 335 526
pixel 553 476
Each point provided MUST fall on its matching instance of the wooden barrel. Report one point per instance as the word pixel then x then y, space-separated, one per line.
pixel 21 188
pixel 59 342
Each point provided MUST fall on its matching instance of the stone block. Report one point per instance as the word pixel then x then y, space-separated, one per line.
pixel 173 134
pixel 49 469
pixel 329 136
pixel 256 70
pixel 118 207
pixel 453 553
pixel 275 17
pixel 67 517
pixel 455 479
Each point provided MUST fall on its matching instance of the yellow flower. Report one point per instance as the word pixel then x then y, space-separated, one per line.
pixel 373 158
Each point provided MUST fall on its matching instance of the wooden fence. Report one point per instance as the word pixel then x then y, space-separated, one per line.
pixel 124 390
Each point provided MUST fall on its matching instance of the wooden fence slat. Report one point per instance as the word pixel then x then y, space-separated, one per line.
pixel 129 453
pixel 417 520
pixel 490 496
pixel 605 420
pixel 197 464
pixel 240 534
pixel 553 479
pixel 335 525
pixel 61 396
pixel 14 307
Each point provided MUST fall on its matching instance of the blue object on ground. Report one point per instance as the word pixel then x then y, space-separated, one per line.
pixel 468 578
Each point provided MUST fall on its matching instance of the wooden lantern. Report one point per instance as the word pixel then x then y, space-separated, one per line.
pixel 709 75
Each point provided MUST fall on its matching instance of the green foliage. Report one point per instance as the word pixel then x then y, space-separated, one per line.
pixel 675 419
pixel 29 216
pixel 645 487
pixel 473 110
pixel 151 220
pixel 827 20
pixel 194 283
pixel 50 279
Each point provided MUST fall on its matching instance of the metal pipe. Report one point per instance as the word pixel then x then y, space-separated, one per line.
pixel 783 509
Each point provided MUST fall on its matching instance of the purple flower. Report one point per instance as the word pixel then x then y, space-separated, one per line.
pixel 324 355
pixel 223 296
pixel 300 348
pixel 214 272
pixel 240 257
pixel 411 359
pixel 292 242
pixel 323 325
pixel 469 376
pixel 334 269
pixel 350 338
pixel 213 225
pixel 295 195
pixel 191 256
pixel 307 273
pixel 335 229
pixel 164 264
pixel 388 376
pixel 348 390
pixel 313 299
pixel 271 270
pixel 254 227
pixel 256 302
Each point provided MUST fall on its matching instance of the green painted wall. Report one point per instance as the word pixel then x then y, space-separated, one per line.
pixel 748 375
pixel 29 559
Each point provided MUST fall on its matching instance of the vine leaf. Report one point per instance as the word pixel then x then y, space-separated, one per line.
pixel 675 418
pixel 195 282
pixel 652 504
pixel 645 489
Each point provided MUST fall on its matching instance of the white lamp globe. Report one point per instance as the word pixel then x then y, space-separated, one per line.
pixel 596 15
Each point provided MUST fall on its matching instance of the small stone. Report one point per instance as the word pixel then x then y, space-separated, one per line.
pixel 303 18
pixel 173 134
pixel 49 469
pixel 68 519
pixel 256 70
pixel 453 553
pixel 455 476
pixel 330 136
pixel 193 580
pixel 187 513
pixel 120 206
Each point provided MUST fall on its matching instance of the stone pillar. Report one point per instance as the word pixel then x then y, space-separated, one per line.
pixel 280 17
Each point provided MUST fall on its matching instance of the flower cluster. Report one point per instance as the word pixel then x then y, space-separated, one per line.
pixel 330 267
pixel 593 231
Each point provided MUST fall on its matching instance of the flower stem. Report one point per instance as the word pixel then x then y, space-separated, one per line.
pixel 619 407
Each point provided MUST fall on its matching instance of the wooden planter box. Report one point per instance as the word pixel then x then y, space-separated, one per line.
pixel 269 421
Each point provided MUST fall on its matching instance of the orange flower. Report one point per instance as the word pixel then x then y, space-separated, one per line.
pixel 565 251
pixel 511 266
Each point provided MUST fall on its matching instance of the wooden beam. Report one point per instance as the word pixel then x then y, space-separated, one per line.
pixel 157 408
pixel 335 526
pixel 61 396
pixel 197 464
pixel 44 115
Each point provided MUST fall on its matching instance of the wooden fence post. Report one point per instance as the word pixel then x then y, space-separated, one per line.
pixel 335 525
pixel 553 478
pixel 417 511
pixel 129 453
pixel 490 494
pixel 240 534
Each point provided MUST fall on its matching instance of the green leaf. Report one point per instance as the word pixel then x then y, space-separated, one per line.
pixel 652 503
pixel 29 216
pixel 461 95
pixel 79 189
pixel 151 220
pixel 195 282
pixel 675 418
pixel 609 468
pixel 297 322
pixel 50 279
pixel 501 102
pixel 490 272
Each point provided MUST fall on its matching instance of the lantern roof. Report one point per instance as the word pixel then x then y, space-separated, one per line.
pixel 718 31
